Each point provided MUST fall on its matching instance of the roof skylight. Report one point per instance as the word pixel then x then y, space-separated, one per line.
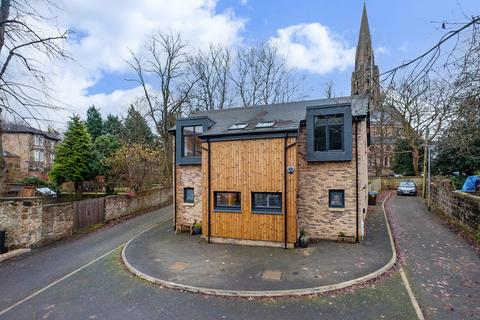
pixel 265 124
pixel 238 126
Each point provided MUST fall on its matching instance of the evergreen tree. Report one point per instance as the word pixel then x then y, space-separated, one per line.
pixel 94 122
pixel 113 126
pixel 103 147
pixel 402 160
pixel 73 155
pixel 136 128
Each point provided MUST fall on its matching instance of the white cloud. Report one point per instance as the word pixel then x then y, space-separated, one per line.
pixel 314 48
pixel 106 30
pixel 382 50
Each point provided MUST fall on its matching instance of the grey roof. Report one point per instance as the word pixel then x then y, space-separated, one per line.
pixel 21 128
pixel 287 116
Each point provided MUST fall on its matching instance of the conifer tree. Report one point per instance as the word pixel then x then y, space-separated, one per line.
pixel 73 155
pixel 136 128
pixel 113 126
pixel 94 122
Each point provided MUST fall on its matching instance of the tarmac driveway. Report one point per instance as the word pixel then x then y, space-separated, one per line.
pixel 444 270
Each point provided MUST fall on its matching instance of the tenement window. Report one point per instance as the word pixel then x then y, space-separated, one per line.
pixel 38 155
pixel 227 201
pixel 188 195
pixel 336 198
pixel 266 202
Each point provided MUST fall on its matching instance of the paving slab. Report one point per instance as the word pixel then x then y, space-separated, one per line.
pixel 191 261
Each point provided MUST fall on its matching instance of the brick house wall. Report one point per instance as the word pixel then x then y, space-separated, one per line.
pixel 315 179
pixel 188 176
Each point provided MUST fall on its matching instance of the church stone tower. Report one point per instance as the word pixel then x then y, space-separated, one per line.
pixel 365 77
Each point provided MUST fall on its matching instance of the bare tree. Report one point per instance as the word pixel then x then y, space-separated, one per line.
pixel 24 42
pixel 211 72
pixel 165 65
pixel 422 109
pixel 328 89
pixel 262 77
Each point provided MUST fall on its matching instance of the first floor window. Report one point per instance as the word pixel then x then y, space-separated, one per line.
pixel 227 201
pixel 188 195
pixel 336 198
pixel 267 202
pixel 328 133
pixel 38 155
pixel 191 141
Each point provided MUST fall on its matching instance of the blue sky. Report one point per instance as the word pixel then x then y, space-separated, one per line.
pixel 400 30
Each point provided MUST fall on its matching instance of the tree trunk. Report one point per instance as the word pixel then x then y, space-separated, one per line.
pixel 4 13
pixel 415 159
pixel 3 164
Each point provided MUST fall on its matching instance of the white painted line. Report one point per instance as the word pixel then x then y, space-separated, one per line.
pixel 268 293
pixel 412 296
pixel 75 271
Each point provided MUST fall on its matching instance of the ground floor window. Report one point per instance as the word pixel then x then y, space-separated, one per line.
pixel 227 201
pixel 267 202
pixel 188 195
pixel 336 198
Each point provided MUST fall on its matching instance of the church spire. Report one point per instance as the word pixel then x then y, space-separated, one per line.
pixel 365 76
pixel 364 46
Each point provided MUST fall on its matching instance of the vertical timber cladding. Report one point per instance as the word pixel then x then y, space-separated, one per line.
pixel 250 166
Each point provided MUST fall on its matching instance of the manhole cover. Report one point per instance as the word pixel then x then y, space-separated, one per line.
pixel 179 266
pixel 272 275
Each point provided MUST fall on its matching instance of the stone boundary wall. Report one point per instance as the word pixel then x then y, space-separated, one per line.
pixel 391 183
pixel 30 223
pixel 462 207
pixel 57 222
pixel 123 205
pixel 21 218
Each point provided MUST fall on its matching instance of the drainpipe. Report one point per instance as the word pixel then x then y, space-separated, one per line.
pixel 285 148
pixel 209 192
pixel 356 178
pixel 285 189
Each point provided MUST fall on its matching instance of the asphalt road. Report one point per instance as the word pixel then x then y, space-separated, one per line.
pixel 105 290
pixel 443 268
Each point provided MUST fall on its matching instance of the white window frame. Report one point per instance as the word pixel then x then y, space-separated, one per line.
pixel 38 155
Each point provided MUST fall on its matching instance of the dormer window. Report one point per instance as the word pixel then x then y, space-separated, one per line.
pixel 188 145
pixel 38 141
pixel 329 133
pixel 191 141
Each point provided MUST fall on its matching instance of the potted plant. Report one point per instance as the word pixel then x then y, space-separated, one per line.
pixel 342 237
pixel 303 239
pixel 197 228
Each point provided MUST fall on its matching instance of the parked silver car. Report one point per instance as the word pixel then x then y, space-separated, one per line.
pixel 408 188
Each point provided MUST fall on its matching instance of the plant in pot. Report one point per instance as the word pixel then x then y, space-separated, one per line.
pixel 197 228
pixel 303 239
